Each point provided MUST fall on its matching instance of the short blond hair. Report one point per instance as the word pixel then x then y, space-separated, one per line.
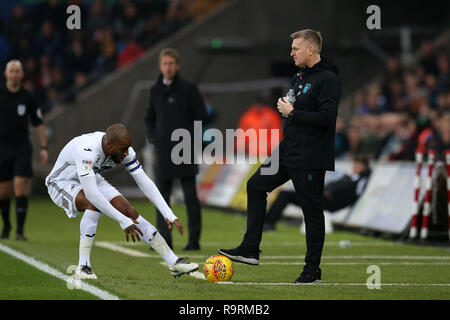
pixel 171 53
pixel 312 36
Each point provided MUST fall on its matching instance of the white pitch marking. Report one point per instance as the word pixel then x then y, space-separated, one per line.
pixel 283 243
pixel 363 263
pixel 129 252
pixel 132 252
pixel 136 253
pixel 102 294
pixel 366 257
pixel 330 284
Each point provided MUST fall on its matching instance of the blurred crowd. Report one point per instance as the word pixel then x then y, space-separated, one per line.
pixel 59 62
pixel 406 110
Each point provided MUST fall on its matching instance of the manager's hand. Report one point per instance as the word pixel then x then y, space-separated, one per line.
pixel 284 106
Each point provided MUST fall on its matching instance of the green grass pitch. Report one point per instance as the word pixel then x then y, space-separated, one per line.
pixel 406 271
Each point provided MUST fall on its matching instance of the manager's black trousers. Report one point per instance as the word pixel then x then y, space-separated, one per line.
pixel 309 186
pixel 193 208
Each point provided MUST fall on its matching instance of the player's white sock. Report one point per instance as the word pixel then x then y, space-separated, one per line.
pixel 156 241
pixel 88 227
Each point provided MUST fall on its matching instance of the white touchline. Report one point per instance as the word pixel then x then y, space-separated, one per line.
pixel 363 263
pixel 130 252
pixel 365 257
pixel 331 284
pixel 278 243
pixel 136 253
pixel 102 294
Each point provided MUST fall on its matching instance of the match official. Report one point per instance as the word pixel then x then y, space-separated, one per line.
pixel 18 108
pixel 305 153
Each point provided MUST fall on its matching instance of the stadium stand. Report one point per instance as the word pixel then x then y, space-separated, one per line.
pixel 59 62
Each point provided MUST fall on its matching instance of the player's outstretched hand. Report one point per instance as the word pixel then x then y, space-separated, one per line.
pixel 133 231
pixel 177 224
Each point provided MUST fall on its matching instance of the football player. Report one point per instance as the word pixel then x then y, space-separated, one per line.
pixel 75 185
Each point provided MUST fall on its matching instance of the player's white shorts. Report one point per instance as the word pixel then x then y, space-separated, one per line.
pixel 63 193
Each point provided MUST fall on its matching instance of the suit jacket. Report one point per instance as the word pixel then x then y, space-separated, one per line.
pixel 173 107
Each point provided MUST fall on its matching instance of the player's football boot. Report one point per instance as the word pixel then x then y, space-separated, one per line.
pixel 84 272
pixel 309 277
pixel 182 266
pixel 240 255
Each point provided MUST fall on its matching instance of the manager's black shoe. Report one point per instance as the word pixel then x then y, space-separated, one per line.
pixel 309 277
pixel 240 255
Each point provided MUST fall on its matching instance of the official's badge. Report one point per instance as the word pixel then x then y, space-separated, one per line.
pixel 21 109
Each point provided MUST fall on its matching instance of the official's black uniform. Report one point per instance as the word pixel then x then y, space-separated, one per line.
pixel 305 153
pixel 173 107
pixel 17 110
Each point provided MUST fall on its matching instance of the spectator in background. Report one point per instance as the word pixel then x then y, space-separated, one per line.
pixel 443 81
pixel 439 139
pixel 358 101
pixel 129 22
pixel 48 42
pixel 19 25
pixel 4 46
pixel 210 120
pixel 402 144
pixel 341 140
pixel 98 17
pixel 55 12
pixel 428 60
pixel 259 116
pixel 106 60
pixel 78 60
pixel 177 15
pixel 130 52
pixel 443 101
pixel 94 50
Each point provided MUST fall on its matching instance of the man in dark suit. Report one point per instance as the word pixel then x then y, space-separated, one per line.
pixel 305 153
pixel 175 103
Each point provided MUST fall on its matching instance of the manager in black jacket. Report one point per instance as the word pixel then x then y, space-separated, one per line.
pixel 305 153
pixel 175 103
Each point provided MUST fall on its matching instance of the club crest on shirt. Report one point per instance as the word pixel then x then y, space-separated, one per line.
pixel 21 109
pixel 306 88
pixel 65 203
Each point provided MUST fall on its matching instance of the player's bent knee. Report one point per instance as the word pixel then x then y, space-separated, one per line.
pixel 82 203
